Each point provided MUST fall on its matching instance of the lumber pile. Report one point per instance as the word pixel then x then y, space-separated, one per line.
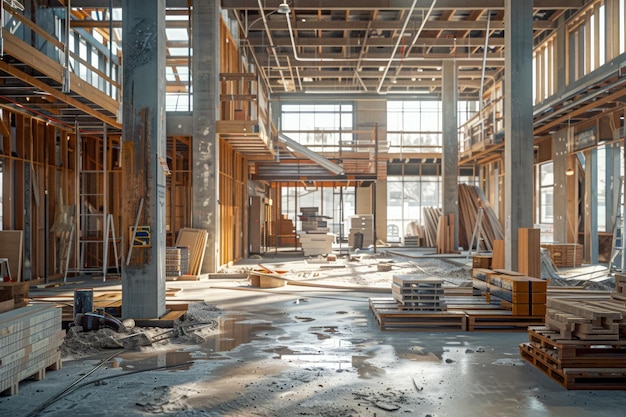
pixel 418 292
pixel 583 342
pixel 586 319
pixel 29 344
pixel 430 218
pixel 195 240
pixel 565 254
pixel 445 234
pixel 522 295
pixel 471 199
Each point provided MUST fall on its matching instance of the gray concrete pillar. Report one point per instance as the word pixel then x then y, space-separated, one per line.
pixel 450 154
pixel 205 149
pixel 518 113
pixel 559 158
pixel 143 150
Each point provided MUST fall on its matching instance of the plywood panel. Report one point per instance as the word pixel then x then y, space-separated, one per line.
pixel 11 247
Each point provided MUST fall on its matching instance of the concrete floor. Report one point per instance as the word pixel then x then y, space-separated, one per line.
pixel 300 351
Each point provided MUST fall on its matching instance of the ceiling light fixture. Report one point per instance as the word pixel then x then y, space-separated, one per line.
pixel 283 8
pixel 569 172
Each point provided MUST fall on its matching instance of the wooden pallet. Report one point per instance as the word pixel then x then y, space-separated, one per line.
pixel 481 320
pixel 578 353
pixel 576 378
pixel 29 344
pixel 392 316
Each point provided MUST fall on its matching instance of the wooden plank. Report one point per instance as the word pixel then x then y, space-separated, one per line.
pixel 497 259
pixel 529 252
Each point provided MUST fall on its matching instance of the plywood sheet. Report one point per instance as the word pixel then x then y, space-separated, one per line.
pixel 11 247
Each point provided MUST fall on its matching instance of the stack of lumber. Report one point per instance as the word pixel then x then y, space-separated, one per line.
pixel 430 218
pixel 582 345
pixel 13 295
pixel 565 254
pixel 195 240
pixel 29 344
pixel 522 295
pixel 418 292
pixel 586 319
pixel 445 234
pixel 471 199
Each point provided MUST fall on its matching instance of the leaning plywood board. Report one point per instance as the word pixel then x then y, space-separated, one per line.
pixel 11 247
pixel 195 240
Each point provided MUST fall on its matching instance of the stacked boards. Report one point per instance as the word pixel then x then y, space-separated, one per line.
pixel 418 292
pixel 29 344
pixel 195 240
pixel 583 343
pixel 522 295
pixel 417 303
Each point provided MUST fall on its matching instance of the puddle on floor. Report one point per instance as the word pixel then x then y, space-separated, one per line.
pixel 235 330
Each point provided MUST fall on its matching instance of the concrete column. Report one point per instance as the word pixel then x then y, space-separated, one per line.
pixel 143 150
pixel 205 149
pixel 612 179
pixel 450 155
pixel 591 206
pixel 518 112
pixel 559 158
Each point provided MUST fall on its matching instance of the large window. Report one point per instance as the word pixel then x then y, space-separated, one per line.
pixel 545 200
pixel 406 195
pixel 320 127
pixel 414 126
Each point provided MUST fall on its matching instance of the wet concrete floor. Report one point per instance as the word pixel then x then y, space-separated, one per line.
pixel 310 352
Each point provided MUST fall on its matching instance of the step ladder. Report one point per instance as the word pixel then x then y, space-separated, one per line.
pixel 617 259
pixel 476 234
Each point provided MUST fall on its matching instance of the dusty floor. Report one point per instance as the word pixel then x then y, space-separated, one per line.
pixel 306 351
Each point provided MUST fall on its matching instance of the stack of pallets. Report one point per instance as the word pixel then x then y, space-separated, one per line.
pixel 582 345
pixel 29 344
pixel 418 292
pixel 417 303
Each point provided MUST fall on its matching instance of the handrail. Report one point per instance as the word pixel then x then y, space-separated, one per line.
pixel 58 45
